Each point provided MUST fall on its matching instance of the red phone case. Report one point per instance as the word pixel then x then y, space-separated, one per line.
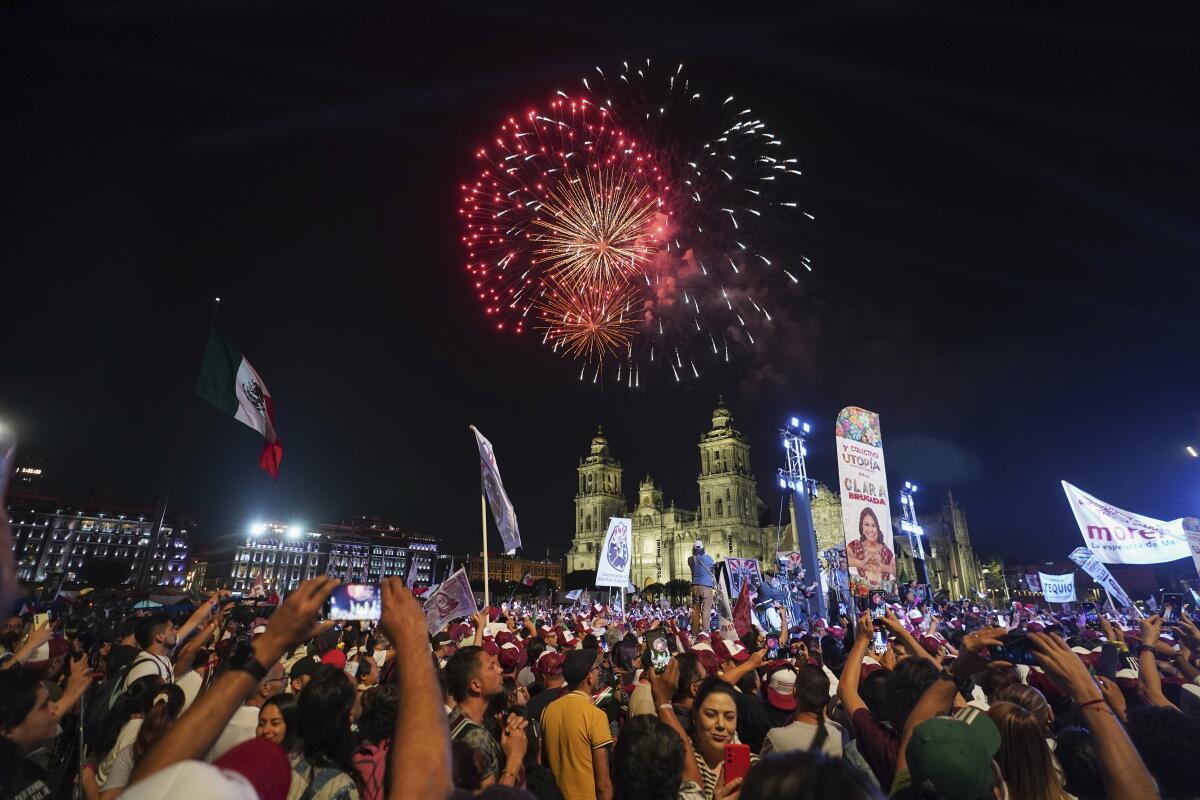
pixel 737 761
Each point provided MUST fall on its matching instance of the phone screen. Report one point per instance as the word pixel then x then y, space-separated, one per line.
pixel 880 641
pixel 659 655
pixel 1172 602
pixel 772 647
pixel 355 601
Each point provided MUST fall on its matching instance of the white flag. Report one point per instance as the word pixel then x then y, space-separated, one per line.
pixel 452 599
pixel 502 509
pixel 1122 537
pixel 1058 588
pixel 1088 562
pixel 411 580
pixel 615 553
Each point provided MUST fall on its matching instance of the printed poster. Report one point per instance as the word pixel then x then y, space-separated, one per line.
pixel 615 554
pixel 866 514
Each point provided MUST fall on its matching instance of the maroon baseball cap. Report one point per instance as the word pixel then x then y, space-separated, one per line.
pixel 262 763
pixel 550 663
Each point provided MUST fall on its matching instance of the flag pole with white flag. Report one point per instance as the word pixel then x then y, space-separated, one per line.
pixel 502 509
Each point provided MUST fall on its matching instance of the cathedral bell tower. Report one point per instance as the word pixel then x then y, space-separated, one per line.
pixel 728 501
pixel 600 497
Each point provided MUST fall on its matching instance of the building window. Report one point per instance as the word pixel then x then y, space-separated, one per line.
pixel 720 508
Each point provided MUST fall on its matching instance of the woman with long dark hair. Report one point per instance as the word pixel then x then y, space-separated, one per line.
pixel 714 725
pixel 164 709
pixel 869 554
pixel 277 723
pixel 323 715
pixel 809 729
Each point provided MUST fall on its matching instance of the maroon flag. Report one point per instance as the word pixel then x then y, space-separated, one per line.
pixel 741 610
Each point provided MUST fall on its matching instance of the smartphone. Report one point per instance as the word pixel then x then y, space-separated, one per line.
pixel 737 761
pixel 41 620
pixel 355 601
pixel 1172 603
pixel 772 648
pixel 660 656
pixel 1014 648
pixel 880 640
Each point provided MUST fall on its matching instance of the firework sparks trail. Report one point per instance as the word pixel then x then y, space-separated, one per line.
pixel 594 215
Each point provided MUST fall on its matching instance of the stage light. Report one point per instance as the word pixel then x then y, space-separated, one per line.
pixel 806 427
pixel 795 422
pixel 1192 452
pixel 258 529
pixel 294 530
pixel 782 483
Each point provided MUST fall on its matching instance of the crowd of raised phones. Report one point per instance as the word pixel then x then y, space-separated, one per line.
pixel 911 701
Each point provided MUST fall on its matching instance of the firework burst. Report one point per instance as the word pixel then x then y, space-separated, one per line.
pixel 636 224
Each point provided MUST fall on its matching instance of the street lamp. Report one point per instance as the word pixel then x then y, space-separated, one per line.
pixel 794 476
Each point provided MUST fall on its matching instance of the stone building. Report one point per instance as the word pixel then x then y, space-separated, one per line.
pixel 727 520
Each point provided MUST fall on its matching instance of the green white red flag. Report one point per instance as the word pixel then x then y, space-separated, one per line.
pixel 228 381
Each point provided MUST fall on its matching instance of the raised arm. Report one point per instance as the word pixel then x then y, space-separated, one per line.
pixel 937 698
pixel 662 688
pixel 1121 768
pixel 848 684
pixel 1149 679
pixel 200 725
pixel 735 674
pixel 187 654
pixel 424 760
pixel 901 633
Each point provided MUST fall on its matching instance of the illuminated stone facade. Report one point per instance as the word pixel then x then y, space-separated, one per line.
pixel 727 520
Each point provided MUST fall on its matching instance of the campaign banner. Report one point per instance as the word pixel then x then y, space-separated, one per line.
pixel 741 571
pixel 502 508
pixel 724 607
pixel 613 569
pixel 866 514
pixel 573 594
pixel 1088 562
pixel 1033 582
pixel 1058 588
pixel 452 599
pixel 1191 530
pixel 1117 536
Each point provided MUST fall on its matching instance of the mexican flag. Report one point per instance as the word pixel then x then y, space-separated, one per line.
pixel 228 381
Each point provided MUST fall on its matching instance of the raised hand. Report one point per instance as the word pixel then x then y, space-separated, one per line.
pixel 1064 667
pixel 1151 629
pixel 402 620
pixel 296 620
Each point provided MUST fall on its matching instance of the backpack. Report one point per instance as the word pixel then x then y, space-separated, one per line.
pixel 104 698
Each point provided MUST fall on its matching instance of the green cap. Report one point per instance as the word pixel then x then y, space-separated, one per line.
pixel 951 757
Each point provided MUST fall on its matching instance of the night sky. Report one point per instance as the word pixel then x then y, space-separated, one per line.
pixel 1006 255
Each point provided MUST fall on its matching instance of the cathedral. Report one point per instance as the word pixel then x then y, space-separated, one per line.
pixel 727 520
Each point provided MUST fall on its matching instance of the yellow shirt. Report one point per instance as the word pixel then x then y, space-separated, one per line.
pixel 572 727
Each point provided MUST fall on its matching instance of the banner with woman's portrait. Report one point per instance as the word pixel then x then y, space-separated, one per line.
pixel 866 513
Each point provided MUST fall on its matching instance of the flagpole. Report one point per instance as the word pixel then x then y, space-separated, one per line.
pixel 483 520
pixel 164 501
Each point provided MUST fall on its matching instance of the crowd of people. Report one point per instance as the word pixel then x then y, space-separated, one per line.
pixel 909 700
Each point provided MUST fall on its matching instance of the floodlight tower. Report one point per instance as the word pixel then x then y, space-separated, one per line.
pixel 794 477
pixel 910 525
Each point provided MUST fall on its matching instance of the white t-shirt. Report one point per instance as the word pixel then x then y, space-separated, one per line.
pixel 191 683
pixel 800 736
pixel 125 738
pixel 149 664
pixel 241 728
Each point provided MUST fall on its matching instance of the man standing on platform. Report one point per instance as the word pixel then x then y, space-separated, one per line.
pixel 703 570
